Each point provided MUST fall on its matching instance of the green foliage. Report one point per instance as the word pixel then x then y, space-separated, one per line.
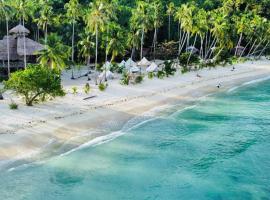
pixel 161 74
pixel 187 58
pixel 125 78
pixel 116 68
pixel 151 75
pixel 55 55
pixel 74 90
pixel 35 82
pixel 87 88
pixel 169 68
pixel 13 106
pixel 139 79
pixel 102 86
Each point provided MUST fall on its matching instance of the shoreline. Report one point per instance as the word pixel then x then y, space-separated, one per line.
pixel 67 129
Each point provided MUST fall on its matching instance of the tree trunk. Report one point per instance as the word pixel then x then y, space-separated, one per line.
pixel 238 44
pixel 251 48
pixel 201 49
pixel 24 48
pixel 188 38
pixel 106 53
pixel 193 46
pixel 72 43
pixel 8 53
pixel 183 41
pixel 96 60
pixel 46 33
pixel 169 32
pixel 245 48
pixel 72 49
pixel 142 40
pixel 132 53
pixel 155 41
pixel 263 49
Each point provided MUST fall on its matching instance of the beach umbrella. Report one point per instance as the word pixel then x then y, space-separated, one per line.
pixel 152 68
pixel 144 62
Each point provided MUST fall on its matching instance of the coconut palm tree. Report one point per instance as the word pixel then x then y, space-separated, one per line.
pixel 142 20
pixel 116 45
pixel 5 12
pixel 170 11
pixel 24 10
pixel 110 12
pixel 55 56
pixel 86 47
pixel 73 9
pixel 133 41
pixel 157 19
pixel 95 21
pixel 185 16
pixel 46 17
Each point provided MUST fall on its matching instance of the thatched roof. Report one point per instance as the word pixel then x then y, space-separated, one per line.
pixel 30 45
pixel 19 29
pixel 12 49
pixel 16 45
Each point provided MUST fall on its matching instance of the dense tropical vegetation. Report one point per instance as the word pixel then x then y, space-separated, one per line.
pixel 195 33
pixel 117 28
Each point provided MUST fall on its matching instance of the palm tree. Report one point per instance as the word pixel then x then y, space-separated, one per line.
pixel 185 16
pixel 170 12
pixel 46 17
pixel 110 12
pixel 5 12
pixel 95 20
pixel 157 19
pixel 55 56
pixel 73 12
pixel 86 48
pixel 142 20
pixel 133 41
pixel 202 27
pixel 116 45
pixel 24 10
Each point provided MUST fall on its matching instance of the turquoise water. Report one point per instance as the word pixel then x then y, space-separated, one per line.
pixel 218 149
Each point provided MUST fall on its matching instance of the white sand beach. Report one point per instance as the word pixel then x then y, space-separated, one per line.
pixel 65 123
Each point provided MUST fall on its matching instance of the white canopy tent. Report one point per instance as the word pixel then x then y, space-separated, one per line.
pixel 152 68
pixel 130 63
pixel 122 64
pixel 144 62
pixel 107 65
pixel 109 75
pixel 134 69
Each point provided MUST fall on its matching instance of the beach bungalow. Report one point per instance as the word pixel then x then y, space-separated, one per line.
pixel 16 46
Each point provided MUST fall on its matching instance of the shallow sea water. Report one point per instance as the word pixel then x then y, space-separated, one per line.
pixel 217 149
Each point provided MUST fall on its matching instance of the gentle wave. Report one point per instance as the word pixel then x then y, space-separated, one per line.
pixel 248 83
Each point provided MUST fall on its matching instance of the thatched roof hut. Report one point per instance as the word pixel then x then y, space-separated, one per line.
pixel 16 44
pixel 19 29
